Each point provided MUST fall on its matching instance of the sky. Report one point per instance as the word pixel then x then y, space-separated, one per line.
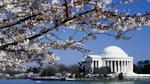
pixel 138 46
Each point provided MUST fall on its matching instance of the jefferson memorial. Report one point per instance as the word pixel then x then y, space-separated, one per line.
pixel 115 58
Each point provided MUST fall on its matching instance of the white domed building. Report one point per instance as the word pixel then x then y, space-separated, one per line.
pixel 113 57
pixel 116 59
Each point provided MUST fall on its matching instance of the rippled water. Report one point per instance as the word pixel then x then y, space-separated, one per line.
pixel 68 82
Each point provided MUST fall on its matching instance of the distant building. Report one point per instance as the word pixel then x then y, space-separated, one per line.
pixel 115 58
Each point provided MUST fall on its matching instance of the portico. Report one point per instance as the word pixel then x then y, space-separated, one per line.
pixel 119 65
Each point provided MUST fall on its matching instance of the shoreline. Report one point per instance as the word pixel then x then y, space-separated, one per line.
pixel 90 79
pixel 53 78
pixel 82 80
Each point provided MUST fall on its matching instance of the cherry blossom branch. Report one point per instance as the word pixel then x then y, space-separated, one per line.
pixel 19 21
pixel 46 30
pixel 66 9
pixel 107 13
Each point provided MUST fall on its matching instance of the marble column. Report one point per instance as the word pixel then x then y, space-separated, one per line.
pixel 119 66
pixel 122 66
pixel 129 65
pixel 104 62
pixel 115 66
pixel 108 63
pixel 92 64
pixel 97 64
pixel 111 66
pixel 132 66
pixel 126 66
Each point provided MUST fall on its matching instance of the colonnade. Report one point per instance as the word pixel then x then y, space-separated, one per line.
pixel 119 65
pixel 116 65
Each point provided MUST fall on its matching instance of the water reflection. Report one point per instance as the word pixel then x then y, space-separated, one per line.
pixel 69 82
pixel 127 82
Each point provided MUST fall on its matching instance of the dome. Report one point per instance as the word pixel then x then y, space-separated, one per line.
pixel 114 51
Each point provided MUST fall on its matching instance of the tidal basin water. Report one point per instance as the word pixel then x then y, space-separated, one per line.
pixel 69 82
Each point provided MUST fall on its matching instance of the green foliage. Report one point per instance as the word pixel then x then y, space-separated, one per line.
pixel 71 69
pixel 135 68
pixel 74 68
pixel 120 76
pixel 82 67
pixel 103 71
pixel 49 71
pixel 34 70
pixel 142 67
pixel 63 68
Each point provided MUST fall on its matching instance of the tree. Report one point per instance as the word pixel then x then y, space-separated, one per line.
pixel 142 67
pixel 29 28
pixel 74 69
pixel 49 71
pixel 120 76
pixel 135 68
pixel 103 71
pixel 82 67
pixel 70 69
pixel 63 68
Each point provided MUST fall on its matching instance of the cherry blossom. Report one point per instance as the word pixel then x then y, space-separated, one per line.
pixel 30 29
